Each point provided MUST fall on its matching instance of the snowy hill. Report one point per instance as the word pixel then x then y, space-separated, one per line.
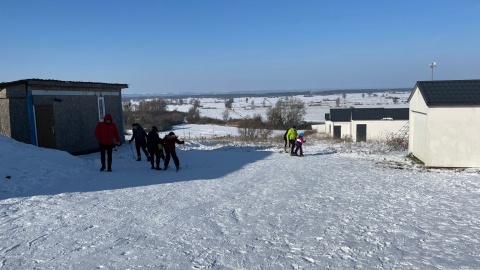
pixel 316 105
pixel 235 206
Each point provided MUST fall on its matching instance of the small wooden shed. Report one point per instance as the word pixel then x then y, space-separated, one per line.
pixel 365 124
pixel 445 123
pixel 58 114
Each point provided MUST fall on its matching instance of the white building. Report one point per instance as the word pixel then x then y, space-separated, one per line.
pixel 365 124
pixel 445 123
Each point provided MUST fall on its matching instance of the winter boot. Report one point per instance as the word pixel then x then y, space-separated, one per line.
pixel 148 158
pixel 139 158
pixel 158 168
pixel 153 168
pixel 102 168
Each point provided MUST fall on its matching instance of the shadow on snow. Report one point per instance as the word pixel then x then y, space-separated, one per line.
pixel 128 173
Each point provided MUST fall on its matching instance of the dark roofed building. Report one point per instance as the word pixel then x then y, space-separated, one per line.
pixel 361 124
pixel 444 123
pixel 452 93
pixel 346 115
pixel 58 114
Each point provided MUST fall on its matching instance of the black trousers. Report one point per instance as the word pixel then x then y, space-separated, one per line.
pixel 108 150
pixel 174 156
pixel 292 145
pixel 142 145
pixel 158 154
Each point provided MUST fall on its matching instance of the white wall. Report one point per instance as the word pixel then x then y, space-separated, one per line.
pixel 417 139
pixel 378 130
pixel 319 128
pixel 453 137
pixel 346 129
pixel 444 136
pixel 329 127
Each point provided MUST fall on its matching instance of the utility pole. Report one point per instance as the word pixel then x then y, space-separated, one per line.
pixel 432 66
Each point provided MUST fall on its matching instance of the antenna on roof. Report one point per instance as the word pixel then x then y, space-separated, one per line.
pixel 432 66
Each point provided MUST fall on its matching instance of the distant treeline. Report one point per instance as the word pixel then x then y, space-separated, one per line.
pixel 267 94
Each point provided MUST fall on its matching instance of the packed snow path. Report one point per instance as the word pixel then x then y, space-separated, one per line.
pixel 241 208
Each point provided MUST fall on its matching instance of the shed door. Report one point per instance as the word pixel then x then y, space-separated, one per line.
pixel 45 126
pixel 337 132
pixel 361 133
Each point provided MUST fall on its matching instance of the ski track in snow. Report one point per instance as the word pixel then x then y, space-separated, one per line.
pixel 324 210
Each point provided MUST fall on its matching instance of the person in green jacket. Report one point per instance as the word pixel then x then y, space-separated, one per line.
pixel 291 137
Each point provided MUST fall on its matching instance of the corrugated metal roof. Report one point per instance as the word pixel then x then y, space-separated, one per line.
pixel 341 115
pixel 345 115
pixel 451 92
pixel 64 83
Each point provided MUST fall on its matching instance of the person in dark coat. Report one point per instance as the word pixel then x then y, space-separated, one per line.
pixel 155 147
pixel 140 137
pixel 286 141
pixel 169 141
pixel 107 135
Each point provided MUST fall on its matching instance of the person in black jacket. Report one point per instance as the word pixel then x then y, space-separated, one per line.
pixel 286 141
pixel 155 148
pixel 140 137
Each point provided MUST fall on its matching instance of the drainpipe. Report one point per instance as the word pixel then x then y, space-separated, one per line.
pixel 31 116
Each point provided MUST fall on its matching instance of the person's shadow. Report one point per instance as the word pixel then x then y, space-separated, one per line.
pixel 49 178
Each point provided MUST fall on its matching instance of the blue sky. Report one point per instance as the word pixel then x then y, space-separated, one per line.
pixel 222 45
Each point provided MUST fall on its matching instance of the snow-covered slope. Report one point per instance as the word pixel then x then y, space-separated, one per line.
pixel 235 206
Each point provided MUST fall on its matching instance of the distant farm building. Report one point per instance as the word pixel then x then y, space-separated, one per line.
pixel 58 114
pixel 445 123
pixel 365 124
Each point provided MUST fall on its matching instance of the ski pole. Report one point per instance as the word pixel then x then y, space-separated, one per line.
pixel 184 156
pixel 133 154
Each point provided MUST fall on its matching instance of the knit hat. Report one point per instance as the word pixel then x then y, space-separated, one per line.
pixel 301 134
pixel 154 128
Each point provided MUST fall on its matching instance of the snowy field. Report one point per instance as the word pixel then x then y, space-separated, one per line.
pixel 236 206
pixel 316 105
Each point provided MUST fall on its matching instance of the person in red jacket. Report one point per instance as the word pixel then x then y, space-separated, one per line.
pixel 107 135
pixel 169 146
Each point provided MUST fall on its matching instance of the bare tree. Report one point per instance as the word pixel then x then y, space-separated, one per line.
pixel 253 128
pixel 127 112
pixel 286 113
pixel 193 115
pixel 226 114
pixel 196 103
pixel 337 102
pixel 228 103
pixel 155 106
